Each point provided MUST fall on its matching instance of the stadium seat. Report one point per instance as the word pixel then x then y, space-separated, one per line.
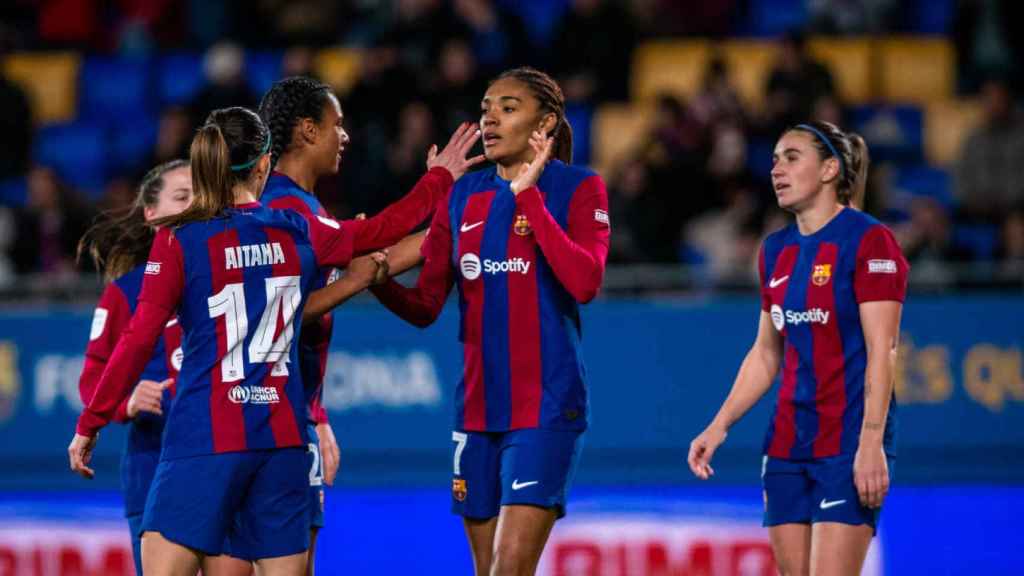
pixel 50 80
pixel 675 67
pixel 925 181
pixel 618 131
pixel 980 239
pixel 338 67
pixel 915 70
pixel 930 16
pixel 581 118
pixel 179 77
pixel 749 62
pixel 13 192
pixel 947 125
pixel 893 133
pixel 775 17
pixel 77 151
pixel 849 61
pixel 131 143
pixel 262 69
pixel 110 88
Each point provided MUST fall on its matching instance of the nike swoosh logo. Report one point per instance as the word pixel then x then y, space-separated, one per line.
pixel 825 504
pixel 467 227
pixel 516 485
pixel 776 281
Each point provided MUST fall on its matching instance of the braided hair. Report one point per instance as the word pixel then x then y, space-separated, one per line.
pixel 288 101
pixel 549 94
pixel 120 240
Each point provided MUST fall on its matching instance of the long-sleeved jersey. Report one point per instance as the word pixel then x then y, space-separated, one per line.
pixel 522 264
pixel 142 445
pixel 812 287
pixel 281 192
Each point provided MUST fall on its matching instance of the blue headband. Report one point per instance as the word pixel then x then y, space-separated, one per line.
pixel 831 148
pixel 240 167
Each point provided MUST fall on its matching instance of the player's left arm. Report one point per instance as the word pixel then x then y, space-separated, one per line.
pixel 880 285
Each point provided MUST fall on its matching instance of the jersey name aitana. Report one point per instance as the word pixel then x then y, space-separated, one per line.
pixel 812 286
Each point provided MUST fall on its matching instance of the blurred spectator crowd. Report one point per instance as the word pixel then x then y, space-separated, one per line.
pixel 693 189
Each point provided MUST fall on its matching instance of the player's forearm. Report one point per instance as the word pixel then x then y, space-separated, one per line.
pixel 409 304
pixel 331 296
pixel 878 386
pixel 579 266
pixel 406 253
pixel 752 382
pixel 399 219
pixel 133 351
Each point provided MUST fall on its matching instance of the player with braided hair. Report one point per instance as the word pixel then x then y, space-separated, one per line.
pixel 308 139
pixel 525 242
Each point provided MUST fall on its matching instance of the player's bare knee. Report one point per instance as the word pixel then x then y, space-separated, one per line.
pixel 511 558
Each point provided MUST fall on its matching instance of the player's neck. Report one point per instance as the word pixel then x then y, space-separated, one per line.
pixel 298 169
pixel 509 169
pixel 815 217
pixel 243 195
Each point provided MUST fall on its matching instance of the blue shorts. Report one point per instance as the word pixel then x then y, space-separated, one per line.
pixel 315 466
pixel 250 505
pixel 532 466
pixel 135 526
pixel 810 491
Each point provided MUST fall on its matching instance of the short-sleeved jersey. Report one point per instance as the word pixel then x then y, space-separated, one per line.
pixel 521 265
pixel 282 193
pixel 812 286
pixel 238 283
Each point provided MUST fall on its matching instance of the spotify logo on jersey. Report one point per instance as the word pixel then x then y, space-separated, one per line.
pixel 470 266
pixel 778 319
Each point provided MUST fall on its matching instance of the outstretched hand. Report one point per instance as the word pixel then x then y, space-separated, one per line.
pixel 529 172
pixel 453 157
pixel 371 269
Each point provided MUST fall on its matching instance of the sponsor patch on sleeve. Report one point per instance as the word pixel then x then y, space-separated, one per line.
pixel 882 267
pixel 99 322
pixel 332 223
pixel 153 268
pixel 601 216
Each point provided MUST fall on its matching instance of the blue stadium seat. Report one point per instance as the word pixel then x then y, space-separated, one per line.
pixel 77 151
pixel 261 70
pixel 111 87
pixel 930 16
pixel 131 142
pixel 541 16
pixel 926 181
pixel 13 192
pixel 775 17
pixel 893 133
pixel 980 239
pixel 179 77
pixel 580 117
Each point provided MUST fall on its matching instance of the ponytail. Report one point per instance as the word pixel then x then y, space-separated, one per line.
pixel 860 163
pixel 224 153
pixel 563 141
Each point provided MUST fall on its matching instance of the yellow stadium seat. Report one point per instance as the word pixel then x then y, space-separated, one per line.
pixel 947 123
pixel 673 67
pixel 51 82
pixel 338 67
pixel 749 63
pixel 915 70
pixel 849 61
pixel 618 131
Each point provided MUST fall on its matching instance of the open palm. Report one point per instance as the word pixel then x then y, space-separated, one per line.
pixel 529 172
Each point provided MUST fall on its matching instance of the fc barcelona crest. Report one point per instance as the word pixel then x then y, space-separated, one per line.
pixel 522 225
pixel 821 275
pixel 459 489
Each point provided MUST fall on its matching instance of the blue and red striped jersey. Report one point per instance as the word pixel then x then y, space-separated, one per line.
pixel 238 283
pixel 522 265
pixel 113 312
pixel 380 231
pixel 812 286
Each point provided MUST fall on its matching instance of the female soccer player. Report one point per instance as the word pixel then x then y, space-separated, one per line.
pixel 238 275
pixel 307 142
pixel 832 287
pixel 525 241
